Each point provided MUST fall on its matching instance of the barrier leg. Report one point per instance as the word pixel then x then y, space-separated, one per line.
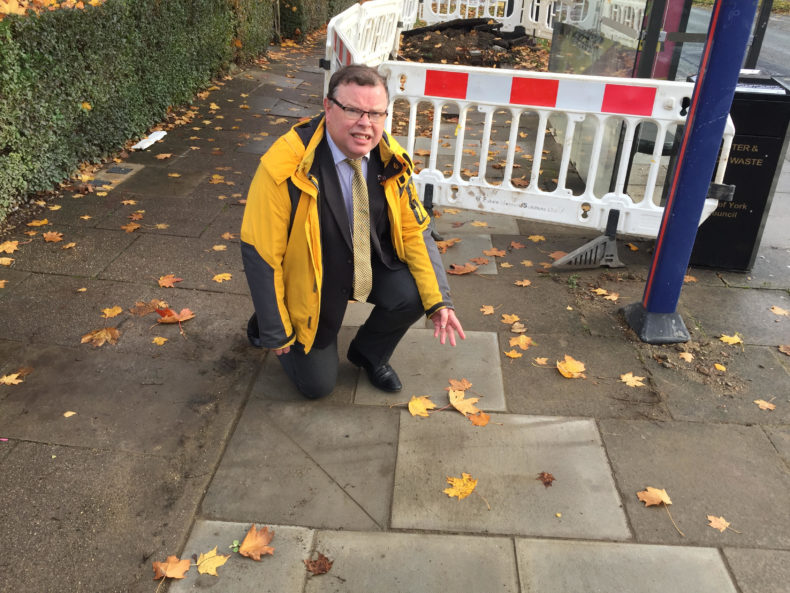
pixel 655 319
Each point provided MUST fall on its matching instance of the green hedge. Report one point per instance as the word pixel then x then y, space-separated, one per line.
pixel 78 84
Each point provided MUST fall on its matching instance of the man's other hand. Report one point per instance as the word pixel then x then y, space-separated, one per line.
pixel 446 324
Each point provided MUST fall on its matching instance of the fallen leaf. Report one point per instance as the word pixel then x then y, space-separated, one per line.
pixel 505 264
pixel 163 155
pixel 419 406
pixel 518 328
pixel 784 348
pixel 320 565
pixel 170 316
pixel 222 277
pixel 524 282
pixel 487 309
pixel 219 247
pixel 599 291
pixel 135 216
pixel 228 236
pixel 517 245
pixel 128 202
pixel 98 337
pixel 168 281
pixel 69 245
pixel 510 319
pixel 461 385
pixel 41 222
pixel 612 296
pixel 12 379
pixel 464 405
pixel 688 278
pixel 159 341
pixel 775 310
pixel 570 368
pixel 632 247
pixel 513 354
pixel 131 227
pixel 86 217
pixel 69 414
pixel 764 405
pixel 172 568
pixel 494 252
pixel 111 312
pixel 450 211
pixel 653 496
pixel 480 419
pixel 446 244
pixel 719 523
pixel 457 270
pixel 687 356
pixel 174 174
pixel 555 255
pixel 480 261
pixel 736 339
pixel 140 308
pixel 536 238
pixel 541 360
pixel 9 246
pixel 161 226
pixel 631 380
pixel 479 223
pixel 523 342
pixel 52 237
pixel 527 263
pixel 256 543
pixel 546 478
pixel 3 283
pixel 460 487
pixel 720 367
pixel 209 562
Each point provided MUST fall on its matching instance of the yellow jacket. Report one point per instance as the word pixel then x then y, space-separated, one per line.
pixel 281 238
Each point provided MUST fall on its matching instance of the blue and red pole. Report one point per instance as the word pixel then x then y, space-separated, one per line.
pixel 655 318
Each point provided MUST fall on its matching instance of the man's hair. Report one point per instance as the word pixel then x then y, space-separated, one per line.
pixel 357 74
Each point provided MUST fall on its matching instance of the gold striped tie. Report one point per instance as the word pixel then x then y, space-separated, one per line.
pixel 363 275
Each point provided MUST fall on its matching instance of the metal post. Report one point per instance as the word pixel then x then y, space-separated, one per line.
pixel 759 34
pixel 655 319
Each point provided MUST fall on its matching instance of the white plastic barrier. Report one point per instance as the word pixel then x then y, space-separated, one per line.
pixel 601 101
pixel 621 20
pixel 409 14
pixel 580 13
pixel 534 15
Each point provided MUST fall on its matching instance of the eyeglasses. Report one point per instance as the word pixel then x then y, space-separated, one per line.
pixel 352 113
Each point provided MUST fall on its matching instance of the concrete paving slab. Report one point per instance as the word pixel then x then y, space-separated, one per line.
pixel 194 260
pixel 425 368
pixel 506 457
pixel 285 108
pixel 73 207
pixel 280 573
pixel 713 309
pixel 581 567
pixel 392 562
pixel 454 223
pixel 157 181
pixel 470 246
pixel 173 403
pixel 273 79
pixel 759 571
pixel 535 389
pixel 309 465
pixel 257 146
pixel 273 384
pixel 94 249
pixel 49 312
pixel 703 468
pixel 156 211
pixel 780 437
pixel 99 508
pixel 11 280
pixel 726 397
pixel 770 270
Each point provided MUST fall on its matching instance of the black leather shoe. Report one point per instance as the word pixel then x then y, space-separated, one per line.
pixel 382 376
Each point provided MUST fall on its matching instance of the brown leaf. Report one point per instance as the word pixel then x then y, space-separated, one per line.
pixel 52 237
pixel 140 308
pixel 487 309
pixel 131 227
pixel 480 419
pixel 256 543
pixel 518 328
pixel 516 245
pixel 523 342
pixel 494 252
pixel 172 568
pixel 228 236
pixel 135 216
pixel 555 255
pixel 764 405
pixel 461 385
pixel 524 282
pixel 170 316
pixel 542 361
pixel 546 478
pixel 653 496
pixel 320 565
pixel 446 244
pixel 457 270
pixel 163 155
pixel 42 222
pixel 687 356
pixel 779 311
pixel 168 281
pixel 98 337
pixel 480 261
pixel 719 523
pixel 510 319
pixel 785 349
pixel 513 354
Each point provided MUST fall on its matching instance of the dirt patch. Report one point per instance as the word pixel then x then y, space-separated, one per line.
pixel 475 42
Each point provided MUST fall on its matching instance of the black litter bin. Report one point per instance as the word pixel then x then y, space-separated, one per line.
pixel 730 237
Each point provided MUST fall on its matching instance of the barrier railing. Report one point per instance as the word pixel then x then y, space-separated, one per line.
pixel 534 15
pixel 587 145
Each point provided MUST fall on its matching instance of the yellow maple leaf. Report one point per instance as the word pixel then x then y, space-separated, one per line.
pixel 505 264
pixel 9 246
pixel 720 367
pixel 653 496
pixel 256 543
pixel 172 568
pixel 487 309
pixel 541 360
pixel 632 380
pixel 510 319
pixel 12 379
pixel 98 337
pixel 731 340
pixel 209 562
pixel 688 278
pixel 460 487
pixel 479 419
pixel 163 155
pixel 524 282
pixel 6 261
pixel 41 222
pixel 69 414
pixel 159 341
pixel 600 291
pixel 222 277
pixel 174 174
pixel 479 223
pixel 536 238
pixel 3 283
pixel 775 310
pixel 450 211
pixel 494 252
pixel 513 354
pixel 111 312
pixel 419 406
pixel 687 356
pixel 464 405
pixel 131 227
pixel 527 263
pixel 52 237
pixel 55 207
pixel 764 405
pixel 632 247
pixel 128 202
pixel 719 523
pixel 69 245
pixel 570 368
pixel 523 342
pixel 612 296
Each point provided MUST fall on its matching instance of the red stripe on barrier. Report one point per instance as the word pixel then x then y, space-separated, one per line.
pixel 628 100
pixel 446 84
pixel 532 91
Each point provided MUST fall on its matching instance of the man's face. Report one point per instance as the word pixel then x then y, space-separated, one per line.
pixel 355 137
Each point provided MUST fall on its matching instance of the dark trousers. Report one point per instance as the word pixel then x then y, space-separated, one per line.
pixel 397 306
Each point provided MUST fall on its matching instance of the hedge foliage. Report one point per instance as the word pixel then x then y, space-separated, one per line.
pixel 75 85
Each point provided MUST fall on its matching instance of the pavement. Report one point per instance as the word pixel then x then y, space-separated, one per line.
pixel 178 448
